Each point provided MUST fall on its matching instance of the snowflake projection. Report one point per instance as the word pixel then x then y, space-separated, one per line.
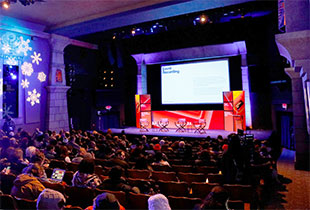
pixel 7 111
pixel 25 83
pixel 41 77
pixel 11 40
pixel 6 48
pixel 36 58
pixel 27 69
pixel 33 97
pixel 23 46
pixel 11 61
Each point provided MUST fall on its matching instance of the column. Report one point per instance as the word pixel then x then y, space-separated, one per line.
pixel 299 120
pixel 57 109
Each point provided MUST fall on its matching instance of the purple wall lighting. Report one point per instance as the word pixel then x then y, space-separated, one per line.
pixel 31 55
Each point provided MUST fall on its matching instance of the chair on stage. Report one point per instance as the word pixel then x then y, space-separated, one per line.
pixel 181 124
pixel 163 123
pixel 200 126
pixel 144 124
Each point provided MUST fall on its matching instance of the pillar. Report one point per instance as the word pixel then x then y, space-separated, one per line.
pixel 299 120
pixel 57 109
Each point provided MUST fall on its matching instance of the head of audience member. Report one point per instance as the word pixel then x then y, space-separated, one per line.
pixel 87 166
pixel 115 173
pixel 50 199
pixel 216 199
pixel 157 147
pixel 158 202
pixel 34 169
pixel 38 157
pixel 121 154
pixel 30 151
pixel 106 201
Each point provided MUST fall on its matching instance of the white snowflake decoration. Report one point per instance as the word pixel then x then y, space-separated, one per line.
pixel 41 77
pixel 27 69
pixel 7 111
pixel 11 61
pixel 33 97
pixel 6 48
pixel 23 46
pixel 25 83
pixel 36 58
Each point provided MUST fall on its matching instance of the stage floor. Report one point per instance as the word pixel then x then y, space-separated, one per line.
pixel 258 134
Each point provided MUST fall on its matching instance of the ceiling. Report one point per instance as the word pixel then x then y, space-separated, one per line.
pixel 73 18
pixel 60 13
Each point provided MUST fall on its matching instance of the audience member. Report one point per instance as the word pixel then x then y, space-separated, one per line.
pixel 50 199
pixel 158 202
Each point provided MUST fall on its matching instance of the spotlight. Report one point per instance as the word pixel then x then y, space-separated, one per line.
pixel 133 31
pixel 5 4
pixel 203 19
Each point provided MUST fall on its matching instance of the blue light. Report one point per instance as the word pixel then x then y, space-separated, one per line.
pixel 13 76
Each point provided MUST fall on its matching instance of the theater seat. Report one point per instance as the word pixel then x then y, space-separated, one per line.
pixel 6 181
pixel 183 202
pixel 173 188
pixel 23 203
pixel 138 201
pixel 202 189
pixel 165 176
pixel 191 177
pixel 141 174
pixel 79 196
pixel 161 168
pixel 182 168
pixel 7 202
pixel 121 196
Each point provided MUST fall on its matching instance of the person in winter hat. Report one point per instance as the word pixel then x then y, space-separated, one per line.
pixel 50 199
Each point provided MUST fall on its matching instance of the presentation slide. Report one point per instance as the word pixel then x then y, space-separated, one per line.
pixel 195 83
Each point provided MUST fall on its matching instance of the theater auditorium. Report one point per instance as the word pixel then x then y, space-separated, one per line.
pixel 154 104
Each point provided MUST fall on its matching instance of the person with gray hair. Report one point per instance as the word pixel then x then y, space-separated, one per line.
pixel 158 202
pixel 50 199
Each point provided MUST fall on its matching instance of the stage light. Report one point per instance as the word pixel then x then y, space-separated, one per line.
pixel 5 4
pixel 112 72
pixel 133 31
pixel 203 19
pixel 13 76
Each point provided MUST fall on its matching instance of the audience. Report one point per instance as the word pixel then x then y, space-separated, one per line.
pixel 233 157
pixel 105 201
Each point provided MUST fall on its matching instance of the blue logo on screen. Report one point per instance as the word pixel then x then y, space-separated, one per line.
pixel 169 70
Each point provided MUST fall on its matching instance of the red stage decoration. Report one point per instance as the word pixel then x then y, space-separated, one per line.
pixel 234 109
pixel 143 109
pixel 231 118
pixel 58 76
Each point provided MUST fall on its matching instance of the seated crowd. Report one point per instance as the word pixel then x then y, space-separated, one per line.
pixel 235 160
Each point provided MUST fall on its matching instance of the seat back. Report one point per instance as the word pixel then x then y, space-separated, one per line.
pixel 173 188
pixel 176 161
pixel 72 167
pixel 7 182
pixel 183 202
pixel 138 201
pixel 79 196
pixel 141 174
pixel 58 164
pixel 182 168
pixel 120 195
pixel 215 178
pixel 23 203
pixel 207 169
pixel 161 168
pixel 141 183
pixel 165 176
pixel 191 177
pixel 7 202
pixel 55 186
pixel 202 189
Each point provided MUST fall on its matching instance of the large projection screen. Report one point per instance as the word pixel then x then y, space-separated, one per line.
pixel 195 83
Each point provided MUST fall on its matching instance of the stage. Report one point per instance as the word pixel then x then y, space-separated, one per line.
pixel 258 134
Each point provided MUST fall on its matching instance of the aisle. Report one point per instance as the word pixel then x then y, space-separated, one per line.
pixel 297 193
